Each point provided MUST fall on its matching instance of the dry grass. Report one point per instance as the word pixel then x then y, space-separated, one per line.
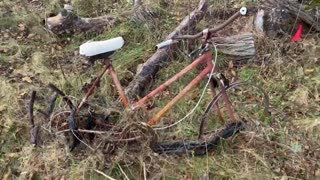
pixel 283 146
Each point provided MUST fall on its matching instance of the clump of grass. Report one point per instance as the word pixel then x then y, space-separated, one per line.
pixel 98 8
pixel 248 73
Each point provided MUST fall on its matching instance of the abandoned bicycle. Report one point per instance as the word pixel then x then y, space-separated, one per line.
pixel 203 55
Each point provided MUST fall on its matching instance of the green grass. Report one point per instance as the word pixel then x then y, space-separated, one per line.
pixel 249 74
pixel 272 148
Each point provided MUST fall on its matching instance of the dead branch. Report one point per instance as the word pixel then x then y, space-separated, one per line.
pixel 52 103
pixel 34 129
pixel 62 94
pixel 297 10
pixel 31 105
pixel 161 57
pixel 284 13
pixel 67 22
pixel 225 13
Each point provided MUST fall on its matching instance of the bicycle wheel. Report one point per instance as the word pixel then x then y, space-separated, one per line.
pixel 248 100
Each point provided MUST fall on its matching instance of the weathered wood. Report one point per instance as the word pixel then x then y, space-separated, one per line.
pixel 285 12
pixel 239 47
pixel 297 10
pixel 161 57
pixel 225 13
pixel 67 22
pixel 259 23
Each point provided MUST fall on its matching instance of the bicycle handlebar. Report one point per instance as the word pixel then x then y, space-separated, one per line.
pixel 241 12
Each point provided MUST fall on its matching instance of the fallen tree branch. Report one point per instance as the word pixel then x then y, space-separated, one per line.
pixel 161 57
pixel 225 13
pixel 72 122
pixel 52 103
pixel 34 129
pixel 67 22
pixel 284 14
pixel 62 94
pixel 297 11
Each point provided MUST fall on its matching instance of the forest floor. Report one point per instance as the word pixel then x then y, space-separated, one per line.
pixel 285 145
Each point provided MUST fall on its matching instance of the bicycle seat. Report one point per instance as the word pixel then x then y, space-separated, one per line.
pixel 101 49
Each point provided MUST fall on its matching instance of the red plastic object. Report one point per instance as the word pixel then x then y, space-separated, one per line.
pixel 298 34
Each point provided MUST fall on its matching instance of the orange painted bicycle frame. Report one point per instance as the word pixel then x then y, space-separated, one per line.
pixel 205 58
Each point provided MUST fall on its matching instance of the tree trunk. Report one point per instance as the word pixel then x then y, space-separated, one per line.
pixel 161 57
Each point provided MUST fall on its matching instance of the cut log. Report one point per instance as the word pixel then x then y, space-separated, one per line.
pixel 161 57
pixel 239 48
pixel 67 22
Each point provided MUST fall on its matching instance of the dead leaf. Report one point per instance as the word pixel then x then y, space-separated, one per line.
pixel 22 27
pixel 308 71
pixel 12 155
pixel 7 176
pixel 31 35
pixel 53 156
pixel 300 96
pixel 27 79
pixel 22 95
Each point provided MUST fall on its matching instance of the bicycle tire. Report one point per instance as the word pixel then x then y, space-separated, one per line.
pixel 205 118
pixel 198 148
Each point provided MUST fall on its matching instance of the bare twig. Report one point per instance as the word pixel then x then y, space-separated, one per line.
pixel 34 129
pixel 51 105
pixel 84 131
pixel 144 171
pixel 126 177
pixel 59 92
pixel 72 127
pixel 103 174
pixel 124 140
pixel 42 112
pixel 31 104
pixel 77 140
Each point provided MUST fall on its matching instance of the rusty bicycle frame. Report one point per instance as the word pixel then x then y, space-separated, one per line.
pixel 205 58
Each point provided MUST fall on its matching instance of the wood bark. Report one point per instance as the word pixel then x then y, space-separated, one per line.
pixel 239 47
pixel 284 13
pixel 297 10
pixel 68 22
pixel 225 13
pixel 161 57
